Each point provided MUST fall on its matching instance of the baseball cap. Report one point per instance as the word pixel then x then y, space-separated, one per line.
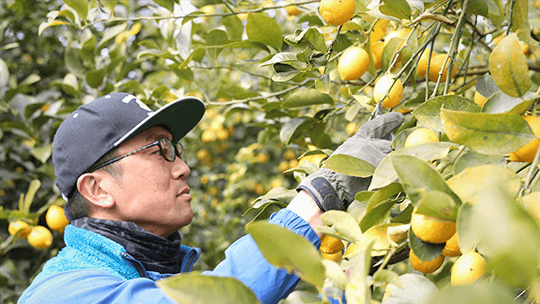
pixel 103 124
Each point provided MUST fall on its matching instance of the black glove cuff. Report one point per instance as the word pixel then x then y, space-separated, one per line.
pixel 324 194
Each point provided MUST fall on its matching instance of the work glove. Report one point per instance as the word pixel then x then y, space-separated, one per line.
pixel 371 143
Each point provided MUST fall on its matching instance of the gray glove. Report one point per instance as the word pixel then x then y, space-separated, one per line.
pixel 336 191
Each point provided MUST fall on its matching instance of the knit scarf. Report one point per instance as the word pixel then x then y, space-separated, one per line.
pixel 154 252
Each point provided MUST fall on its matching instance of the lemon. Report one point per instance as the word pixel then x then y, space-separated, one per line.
pixel 353 63
pixel 527 152
pixel 21 227
pixel 337 12
pixel 435 66
pixel 451 249
pixel 468 268
pixel 377 49
pixel 400 34
pixel 383 86
pixel 425 266
pixel 479 99
pixel 432 229
pixel 56 218
pixel 351 128
pixel 421 136
pixel 331 248
pixel 40 237
pixel 292 10
pixel 336 257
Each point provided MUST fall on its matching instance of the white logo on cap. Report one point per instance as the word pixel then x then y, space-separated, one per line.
pixel 129 98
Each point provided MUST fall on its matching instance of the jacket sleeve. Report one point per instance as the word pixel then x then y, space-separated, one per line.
pixel 244 261
pixel 93 286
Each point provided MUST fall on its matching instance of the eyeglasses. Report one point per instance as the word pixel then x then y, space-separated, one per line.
pixel 168 150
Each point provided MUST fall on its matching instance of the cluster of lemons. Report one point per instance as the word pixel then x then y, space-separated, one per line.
pixel 39 236
pixel 467 268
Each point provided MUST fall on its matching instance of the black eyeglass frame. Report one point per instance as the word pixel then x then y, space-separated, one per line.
pixel 178 151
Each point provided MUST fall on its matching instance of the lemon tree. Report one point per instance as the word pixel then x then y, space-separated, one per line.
pixel 277 106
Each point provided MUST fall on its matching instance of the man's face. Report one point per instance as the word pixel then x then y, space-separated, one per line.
pixel 151 191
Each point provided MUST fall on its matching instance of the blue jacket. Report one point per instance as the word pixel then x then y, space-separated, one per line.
pixel 95 269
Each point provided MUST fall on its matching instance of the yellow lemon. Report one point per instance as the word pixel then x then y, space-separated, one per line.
pixel 432 229
pixel 40 237
pixel 337 12
pixel 425 266
pixel 527 152
pixel 19 226
pixel 383 86
pixel 435 66
pixel 400 34
pixel 451 249
pixel 336 257
pixel 421 69
pixel 353 63
pixel 468 268
pixel 377 49
pixel 421 136
pixel 351 128
pixel 330 244
pixel 479 99
pixel 56 219
pixel 292 10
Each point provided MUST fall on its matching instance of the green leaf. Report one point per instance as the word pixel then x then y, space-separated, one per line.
pixel 467 228
pixel 29 197
pixel 425 179
pixel 379 206
pixel 396 8
pixel 286 249
pixel 95 78
pixel 487 133
pixel 294 128
pixel 42 153
pixel 438 204
pixel 423 250
pixel 480 292
pixel 168 4
pixel 109 4
pixel 388 276
pixel 343 225
pixel 416 289
pixel 473 159
pixel 470 182
pixel 334 273
pixel 261 28
pixel 234 27
pixel 193 288
pixel 508 67
pixel 520 20
pixel 72 58
pixel 385 173
pixel 428 114
pixel 486 86
pixel 349 165
pixel 110 33
pixel 502 103
pixel 506 233
pixel 80 6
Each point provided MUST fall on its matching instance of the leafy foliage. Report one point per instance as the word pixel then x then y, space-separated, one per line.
pixel 276 108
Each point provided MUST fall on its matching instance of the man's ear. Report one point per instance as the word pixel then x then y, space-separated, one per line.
pixel 91 187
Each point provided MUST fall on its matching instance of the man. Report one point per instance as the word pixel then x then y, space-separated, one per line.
pixel 124 179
